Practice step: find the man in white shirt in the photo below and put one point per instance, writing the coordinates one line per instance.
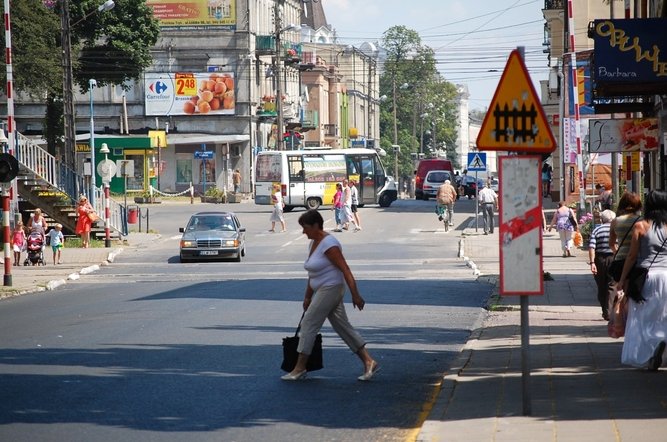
(347, 207)
(488, 200)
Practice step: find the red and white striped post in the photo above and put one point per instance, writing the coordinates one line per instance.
(6, 237)
(107, 215)
(575, 94)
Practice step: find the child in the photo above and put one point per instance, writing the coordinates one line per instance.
(57, 241)
(18, 242)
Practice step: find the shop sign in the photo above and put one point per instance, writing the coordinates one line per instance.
(623, 135)
(631, 52)
(189, 93)
(195, 14)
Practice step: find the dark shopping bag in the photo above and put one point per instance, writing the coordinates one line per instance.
(290, 354)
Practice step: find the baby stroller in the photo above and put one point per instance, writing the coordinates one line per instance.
(35, 248)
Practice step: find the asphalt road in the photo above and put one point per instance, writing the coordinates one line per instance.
(151, 349)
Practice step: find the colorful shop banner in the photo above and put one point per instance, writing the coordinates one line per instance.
(570, 138)
(623, 135)
(631, 52)
(584, 87)
(188, 93)
(195, 14)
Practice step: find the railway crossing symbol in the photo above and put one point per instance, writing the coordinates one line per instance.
(515, 120)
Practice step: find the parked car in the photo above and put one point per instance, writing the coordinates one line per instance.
(434, 179)
(423, 168)
(212, 235)
(470, 186)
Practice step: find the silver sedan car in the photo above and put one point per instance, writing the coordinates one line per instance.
(212, 235)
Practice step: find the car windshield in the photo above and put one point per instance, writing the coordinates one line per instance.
(211, 222)
(437, 177)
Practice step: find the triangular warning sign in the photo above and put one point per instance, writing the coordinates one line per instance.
(476, 163)
(515, 120)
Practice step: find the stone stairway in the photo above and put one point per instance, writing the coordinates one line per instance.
(46, 183)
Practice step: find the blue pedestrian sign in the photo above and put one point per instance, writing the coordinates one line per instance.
(476, 162)
(203, 154)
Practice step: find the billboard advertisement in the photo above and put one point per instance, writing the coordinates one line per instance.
(195, 14)
(631, 52)
(623, 135)
(189, 93)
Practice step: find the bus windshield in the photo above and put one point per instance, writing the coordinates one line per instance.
(268, 168)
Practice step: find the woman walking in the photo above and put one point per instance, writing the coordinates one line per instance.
(627, 214)
(328, 273)
(278, 206)
(84, 223)
(565, 227)
(646, 327)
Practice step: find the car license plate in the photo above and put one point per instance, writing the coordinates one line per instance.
(208, 252)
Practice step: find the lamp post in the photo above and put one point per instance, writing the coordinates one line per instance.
(92, 83)
(69, 123)
(107, 233)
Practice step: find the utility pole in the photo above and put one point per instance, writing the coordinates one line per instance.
(277, 71)
(68, 80)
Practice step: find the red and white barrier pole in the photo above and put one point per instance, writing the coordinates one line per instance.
(11, 148)
(107, 215)
(6, 237)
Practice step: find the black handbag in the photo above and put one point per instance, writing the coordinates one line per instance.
(637, 278)
(290, 354)
(573, 221)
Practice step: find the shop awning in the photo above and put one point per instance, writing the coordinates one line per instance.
(206, 138)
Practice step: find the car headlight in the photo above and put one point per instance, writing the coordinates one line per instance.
(232, 243)
(185, 243)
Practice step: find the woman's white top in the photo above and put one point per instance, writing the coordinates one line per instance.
(321, 271)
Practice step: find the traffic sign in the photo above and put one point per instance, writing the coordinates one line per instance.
(203, 154)
(106, 169)
(476, 162)
(515, 120)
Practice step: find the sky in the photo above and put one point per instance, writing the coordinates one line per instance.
(472, 39)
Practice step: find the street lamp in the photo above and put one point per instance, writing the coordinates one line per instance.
(92, 83)
(104, 149)
(68, 76)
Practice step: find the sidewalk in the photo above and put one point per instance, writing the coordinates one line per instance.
(578, 388)
(76, 262)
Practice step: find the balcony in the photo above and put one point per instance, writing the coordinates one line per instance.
(554, 4)
(265, 44)
(310, 120)
(330, 130)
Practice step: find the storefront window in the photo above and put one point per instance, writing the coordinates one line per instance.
(136, 182)
(184, 170)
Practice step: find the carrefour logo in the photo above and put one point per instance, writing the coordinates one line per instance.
(158, 87)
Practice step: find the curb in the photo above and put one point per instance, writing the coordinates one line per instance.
(55, 283)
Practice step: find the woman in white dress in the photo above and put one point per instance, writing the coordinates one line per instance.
(277, 214)
(646, 327)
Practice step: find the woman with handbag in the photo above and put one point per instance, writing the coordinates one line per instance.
(566, 224)
(84, 222)
(328, 273)
(646, 327)
(627, 214)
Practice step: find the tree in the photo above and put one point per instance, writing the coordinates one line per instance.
(411, 79)
(113, 47)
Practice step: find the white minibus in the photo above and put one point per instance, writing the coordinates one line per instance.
(308, 177)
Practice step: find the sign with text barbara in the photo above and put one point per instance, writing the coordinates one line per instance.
(631, 52)
(189, 93)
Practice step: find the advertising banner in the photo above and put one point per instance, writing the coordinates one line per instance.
(623, 135)
(195, 14)
(570, 138)
(631, 52)
(189, 93)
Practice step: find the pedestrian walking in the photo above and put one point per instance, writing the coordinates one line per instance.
(84, 222)
(627, 214)
(600, 257)
(355, 204)
(57, 241)
(236, 180)
(547, 172)
(604, 198)
(37, 220)
(338, 207)
(277, 215)
(565, 223)
(328, 273)
(347, 207)
(18, 242)
(646, 326)
(488, 200)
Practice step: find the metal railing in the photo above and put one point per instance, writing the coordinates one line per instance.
(58, 175)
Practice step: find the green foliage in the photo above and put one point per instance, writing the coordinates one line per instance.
(421, 103)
